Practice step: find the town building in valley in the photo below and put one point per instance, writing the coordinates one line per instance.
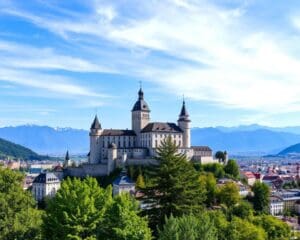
(45, 185)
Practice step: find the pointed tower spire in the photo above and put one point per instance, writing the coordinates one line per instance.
(96, 124)
(67, 158)
(183, 116)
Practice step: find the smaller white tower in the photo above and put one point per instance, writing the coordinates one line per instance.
(184, 124)
(95, 146)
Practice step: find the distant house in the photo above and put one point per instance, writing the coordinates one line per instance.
(249, 177)
(276, 205)
(123, 184)
(45, 185)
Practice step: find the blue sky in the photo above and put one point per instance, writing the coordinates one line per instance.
(236, 62)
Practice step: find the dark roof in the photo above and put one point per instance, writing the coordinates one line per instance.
(96, 124)
(161, 127)
(183, 116)
(201, 148)
(67, 156)
(140, 104)
(123, 180)
(118, 132)
(46, 178)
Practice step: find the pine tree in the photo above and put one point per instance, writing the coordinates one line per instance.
(175, 187)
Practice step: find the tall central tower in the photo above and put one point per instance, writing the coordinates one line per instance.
(140, 115)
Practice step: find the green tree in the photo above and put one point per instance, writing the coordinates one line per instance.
(210, 183)
(232, 168)
(229, 194)
(220, 221)
(189, 227)
(121, 221)
(215, 168)
(261, 198)
(175, 187)
(239, 229)
(243, 210)
(76, 210)
(140, 183)
(220, 156)
(275, 228)
(19, 219)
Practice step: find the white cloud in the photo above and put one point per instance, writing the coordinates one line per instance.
(47, 82)
(223, 59)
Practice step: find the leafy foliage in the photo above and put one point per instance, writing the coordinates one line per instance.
(122, 221)
(232, 168)
(18, 217)
(261, 197)
(189, 227)
(215, 168)
(239, 229)
(229, 194)
(275, 228)
(76, 210)
(83, 210)
(209, 181)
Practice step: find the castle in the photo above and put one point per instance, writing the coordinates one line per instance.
(110, 148)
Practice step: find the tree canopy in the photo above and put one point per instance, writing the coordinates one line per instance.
(261, 198)
(19, 218)
(232, 168)
(189, 227)
(83, 210)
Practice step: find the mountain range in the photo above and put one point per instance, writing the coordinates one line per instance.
(241, 140)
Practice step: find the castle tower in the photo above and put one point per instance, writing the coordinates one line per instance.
(95, 147)
(184, 124)
(67, 161)
(140, 114)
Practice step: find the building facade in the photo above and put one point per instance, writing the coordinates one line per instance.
(110, 148)
(45, 185)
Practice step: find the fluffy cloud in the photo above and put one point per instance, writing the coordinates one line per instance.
(217, 55)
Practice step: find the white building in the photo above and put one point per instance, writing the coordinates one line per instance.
(123, 184)
(276, 205)
(110, 148)
(45, 184)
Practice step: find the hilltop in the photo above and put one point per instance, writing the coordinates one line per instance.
(12, 150)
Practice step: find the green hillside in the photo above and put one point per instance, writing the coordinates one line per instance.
(12, 150)
(294, 149)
